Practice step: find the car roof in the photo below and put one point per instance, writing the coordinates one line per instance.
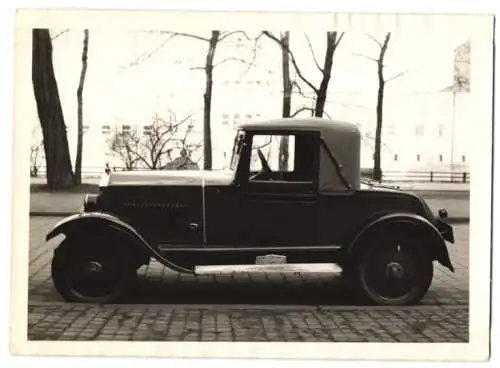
(312, 123)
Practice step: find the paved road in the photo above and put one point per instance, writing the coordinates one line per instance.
(247, 306)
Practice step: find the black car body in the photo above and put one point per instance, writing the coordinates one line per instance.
(310, 207)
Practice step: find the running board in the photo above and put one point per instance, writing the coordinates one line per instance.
(269, 268)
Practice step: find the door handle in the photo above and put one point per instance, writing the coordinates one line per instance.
(193, 226)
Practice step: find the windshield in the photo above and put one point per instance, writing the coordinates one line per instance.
(238, 145)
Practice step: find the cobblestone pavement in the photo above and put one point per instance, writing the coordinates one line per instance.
(164, 323)
(246, 306)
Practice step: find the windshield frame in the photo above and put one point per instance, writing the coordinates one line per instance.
(239, 140)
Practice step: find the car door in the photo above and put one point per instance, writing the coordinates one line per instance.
(279, 200)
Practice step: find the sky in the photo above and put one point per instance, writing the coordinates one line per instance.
(118, 90)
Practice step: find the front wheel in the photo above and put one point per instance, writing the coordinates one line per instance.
(393, 272)
(90, 274)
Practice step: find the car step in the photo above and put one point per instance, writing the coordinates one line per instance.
(269, 268)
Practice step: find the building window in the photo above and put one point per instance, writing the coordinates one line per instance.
(440, 158)
(396, 157)
(236, 116)
(85, 129)
(463, 158)
(418, 157)
(147, 129)
(248, 116)
(106, 129)
(225, 116)
(390, 129)
(126, 129)
(419, 130)
(225, 122)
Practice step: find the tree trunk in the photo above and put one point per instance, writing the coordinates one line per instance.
(55, 141)
(331, 39)
(377, 166)
(287, 98)
(207, 107)
(79, 95)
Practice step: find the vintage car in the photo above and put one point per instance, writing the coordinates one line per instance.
(301, 203)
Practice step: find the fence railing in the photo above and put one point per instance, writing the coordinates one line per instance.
(429, 176)
(422, 176)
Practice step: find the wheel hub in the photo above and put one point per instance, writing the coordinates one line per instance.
(395, 270)
(93, 268)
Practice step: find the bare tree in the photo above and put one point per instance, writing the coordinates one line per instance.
(35, 157)
(332, 42)
(55, 141)
(125, 145)
(153, 147)
(287, 96)
(215, 38)
(79, 94)
(377, 168)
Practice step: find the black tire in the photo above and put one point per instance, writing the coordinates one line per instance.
(394, 271)
(91, 272)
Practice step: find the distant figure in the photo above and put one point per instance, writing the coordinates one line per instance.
(183, 162)
(107, 170)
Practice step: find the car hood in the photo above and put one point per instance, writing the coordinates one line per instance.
(395, 191)
(168, 177)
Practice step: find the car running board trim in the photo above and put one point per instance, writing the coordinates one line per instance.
(269, 268)
(292, 249)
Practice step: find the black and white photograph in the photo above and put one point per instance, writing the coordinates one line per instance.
(287, 182)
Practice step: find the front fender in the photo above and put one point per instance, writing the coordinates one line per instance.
(408, 222)
(82, 223)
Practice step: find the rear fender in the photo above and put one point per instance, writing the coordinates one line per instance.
(84, 223)
(408, 223)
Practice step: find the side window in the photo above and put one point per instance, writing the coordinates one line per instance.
(282, 158)
(269, 146)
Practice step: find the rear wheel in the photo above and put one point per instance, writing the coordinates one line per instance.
(91, 272)
(394, 271)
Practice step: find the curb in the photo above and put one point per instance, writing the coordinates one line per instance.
(449, 220)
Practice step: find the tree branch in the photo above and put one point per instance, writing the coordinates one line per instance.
(226, 35)
(231, 58)
(59, 34)
(375, 40)
(312, 53)
(340, 39)
(191, 36)
(303, 108)
(294, 62)
(254, 56)
(147, 55)
(396, 76)
(366, 57)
